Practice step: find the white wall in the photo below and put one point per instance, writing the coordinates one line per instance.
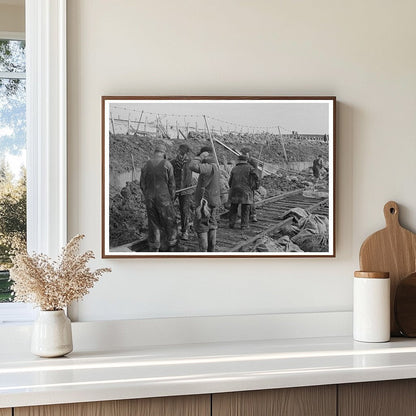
(361, 51)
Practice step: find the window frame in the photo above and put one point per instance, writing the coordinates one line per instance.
(46, 137)
(14, 312)
(12, 36)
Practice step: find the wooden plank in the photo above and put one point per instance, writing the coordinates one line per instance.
(183, 135)
(382, 398)
(161, 406)
(138, 123)
(311, 208)
(277, 197)
(274, 210)
(301, 401)
(269, 219)
(273, 228)
(5, 412)
(269, 230)
(227, 147)
(270, 215)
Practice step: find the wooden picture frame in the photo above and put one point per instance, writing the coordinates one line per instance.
(280, 148)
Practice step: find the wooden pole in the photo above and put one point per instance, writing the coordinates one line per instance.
(128, 125)
(133, 172)
(212, 142)
(227, 147)
(162, 129)
(112, 123)
(185, 189)
(282, 142)
(138, 124)
(180, 131)
(145, 125)
(261, 151)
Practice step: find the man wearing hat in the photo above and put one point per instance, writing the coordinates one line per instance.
(241, 191)
(246, 151)
(157, 182)
(207, 198)
(183, 180)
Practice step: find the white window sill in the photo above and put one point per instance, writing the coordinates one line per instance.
(16, 313)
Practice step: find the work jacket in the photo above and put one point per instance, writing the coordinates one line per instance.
(253, 163)
(183, 175)
(157, 181)
(241, 191)
(208, 185)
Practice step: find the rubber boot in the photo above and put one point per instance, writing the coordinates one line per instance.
(203, 241)
(212, 240)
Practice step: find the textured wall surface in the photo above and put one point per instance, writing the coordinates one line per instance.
(362, 52)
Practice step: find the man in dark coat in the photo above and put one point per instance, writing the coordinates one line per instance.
(157, 183)
(241, 191)
(317, 166)
(207, 198)
(183, 180)
(246, 151)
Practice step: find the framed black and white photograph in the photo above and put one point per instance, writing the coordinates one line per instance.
(218, 177)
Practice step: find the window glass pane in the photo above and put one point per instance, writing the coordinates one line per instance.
(12, 174)
(12, 56)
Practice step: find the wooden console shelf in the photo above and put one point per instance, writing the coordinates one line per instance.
(161, 406)
(382, 398)
(321, 376)
(317, 401)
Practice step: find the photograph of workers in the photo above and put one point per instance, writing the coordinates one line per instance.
(218, 177)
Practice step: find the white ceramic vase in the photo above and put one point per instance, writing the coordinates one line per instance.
(52, 334)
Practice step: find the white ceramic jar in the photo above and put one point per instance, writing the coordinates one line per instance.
(371, 309)
(52, 334)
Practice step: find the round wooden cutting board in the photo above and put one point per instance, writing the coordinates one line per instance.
(393, 250)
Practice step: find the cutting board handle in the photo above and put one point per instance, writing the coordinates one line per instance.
(391, 214)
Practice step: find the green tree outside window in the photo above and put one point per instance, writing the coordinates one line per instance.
(12, 151)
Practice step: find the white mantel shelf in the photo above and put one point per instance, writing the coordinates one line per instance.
(151, 371)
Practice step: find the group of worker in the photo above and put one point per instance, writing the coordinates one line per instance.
(162, 181)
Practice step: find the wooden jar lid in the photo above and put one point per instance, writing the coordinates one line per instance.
(372, 275)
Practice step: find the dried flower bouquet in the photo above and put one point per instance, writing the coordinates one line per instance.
(53, 285)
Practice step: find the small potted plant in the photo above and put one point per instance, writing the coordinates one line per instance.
(52, 286)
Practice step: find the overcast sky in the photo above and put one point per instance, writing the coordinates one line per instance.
(312, 118)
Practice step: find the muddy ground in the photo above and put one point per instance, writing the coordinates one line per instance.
(122, 148)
